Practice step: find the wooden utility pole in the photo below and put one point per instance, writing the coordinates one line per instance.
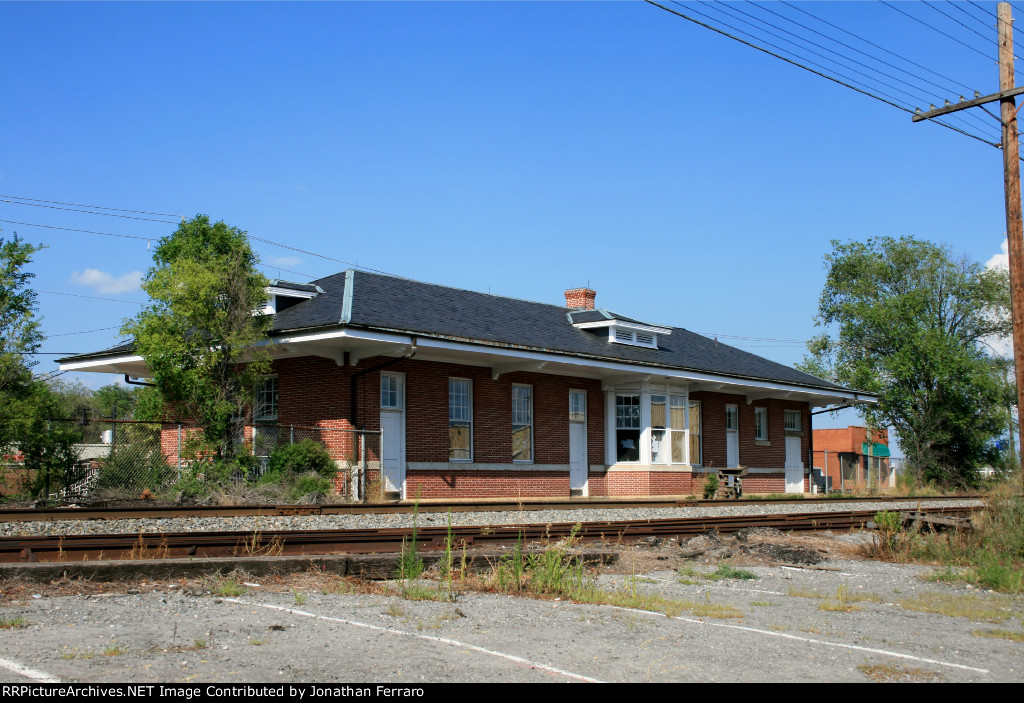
(1011, 184)
(1011, 187)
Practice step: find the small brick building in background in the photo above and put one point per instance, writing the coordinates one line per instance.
(477, 395)
(853, 458)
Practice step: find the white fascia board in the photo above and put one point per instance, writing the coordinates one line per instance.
(289, 293)
(610, 366)
(93, 363)
(625, 325)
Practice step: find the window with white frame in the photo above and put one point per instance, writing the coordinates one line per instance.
(460, 419)
(659, 431)
(577, 406)
(627, 427)
(761, 423)
(390, 392)
(522, 423)
(677, 418)
(264, 417)
(792, 418)
(696, 440)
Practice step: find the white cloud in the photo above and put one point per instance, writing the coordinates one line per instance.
(999, 260)
(1000, 346)
(103, 282)
(284, 261)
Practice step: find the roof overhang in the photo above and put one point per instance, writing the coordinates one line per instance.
(353, 345)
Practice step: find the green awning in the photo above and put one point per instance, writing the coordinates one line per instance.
(876, 449)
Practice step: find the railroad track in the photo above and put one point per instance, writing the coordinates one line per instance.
(77, 548)
(147, 512)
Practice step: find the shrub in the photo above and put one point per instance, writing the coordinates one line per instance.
(302, 457)
(711, 485)
(310, 483)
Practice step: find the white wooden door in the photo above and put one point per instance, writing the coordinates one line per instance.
(578, 443)
(732, 437)
(392, 426)
(794, 466)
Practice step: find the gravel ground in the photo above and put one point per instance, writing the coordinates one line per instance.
(384, 520)
(789, 624)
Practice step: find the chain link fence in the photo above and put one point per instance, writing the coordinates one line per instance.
(135, 459)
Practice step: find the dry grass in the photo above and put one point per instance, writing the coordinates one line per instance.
(141, 551)
(956, 606)
(897, 672)
(1012, 635)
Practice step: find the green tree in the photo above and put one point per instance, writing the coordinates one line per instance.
(199, 335)
(911, 324)
(19, 330)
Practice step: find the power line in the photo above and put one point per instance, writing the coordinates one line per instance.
(150, 239)
(101, 329)
(86, 231)
(98, 207)
(91, 297)
(969, 29)
(973, 17)
(86, 212)
(831, 51)
(882, 48)
(810, 70)
(869, 56)
(936, 29)
(958, 118)
(983, 9)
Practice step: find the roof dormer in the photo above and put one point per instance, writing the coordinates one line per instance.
(619, 329)
(281, 295)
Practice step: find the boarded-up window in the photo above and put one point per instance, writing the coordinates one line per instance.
(695, 437)
(460, 420)
(522, 423)
(677, 416)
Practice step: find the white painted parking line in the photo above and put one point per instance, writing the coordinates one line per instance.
(40, 676)
(810, 640)
(442, 640)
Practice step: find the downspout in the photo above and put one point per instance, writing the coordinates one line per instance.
(354, 405)
(354, 380)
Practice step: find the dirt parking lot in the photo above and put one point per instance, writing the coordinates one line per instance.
(788, 608)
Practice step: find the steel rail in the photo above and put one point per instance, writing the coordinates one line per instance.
(299, 542)
(147, 512)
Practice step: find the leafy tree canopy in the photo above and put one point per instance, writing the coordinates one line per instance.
(198, 332)
(911, 324)
(19, 329)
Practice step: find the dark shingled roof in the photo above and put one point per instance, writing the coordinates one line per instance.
(397, 304)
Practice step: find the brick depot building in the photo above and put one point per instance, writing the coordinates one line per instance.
(478, 395)
(853, 458)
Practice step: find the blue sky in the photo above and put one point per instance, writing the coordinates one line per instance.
(517, 147)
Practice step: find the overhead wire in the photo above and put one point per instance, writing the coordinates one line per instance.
(871, 57)
(91, 297)
(904, 92)
(808, 69)
(98, 207)
(936, 29)
(958, 8)
(86, 212)
(877, 46)
(969, 29)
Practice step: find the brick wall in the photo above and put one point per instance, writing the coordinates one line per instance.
(753, 453)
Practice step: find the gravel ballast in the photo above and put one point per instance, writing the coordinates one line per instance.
(400, 520)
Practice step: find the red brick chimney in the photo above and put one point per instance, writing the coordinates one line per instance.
(580, 298)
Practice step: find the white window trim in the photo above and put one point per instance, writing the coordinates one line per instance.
(762, 412)
(533, 441)
(645, 390)
(469, 383)
(401, 390)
